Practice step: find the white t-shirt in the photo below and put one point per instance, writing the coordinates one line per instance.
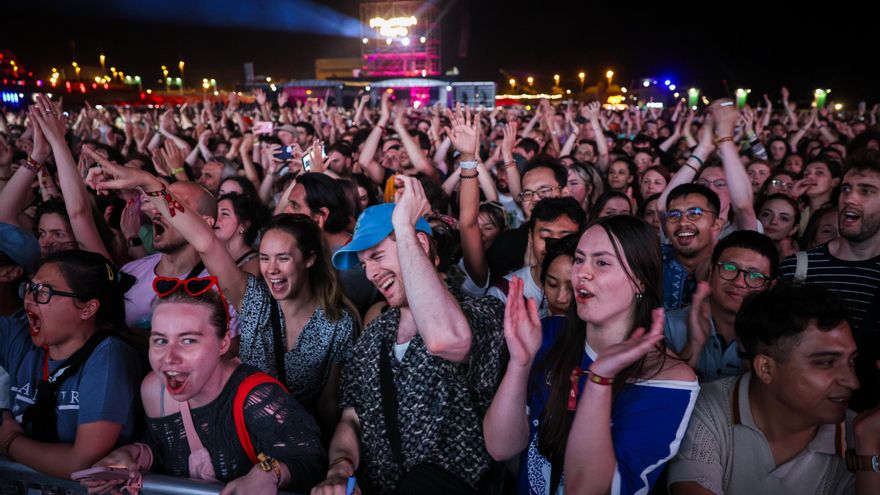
(515, 216)
(531, 289)
(140, 299)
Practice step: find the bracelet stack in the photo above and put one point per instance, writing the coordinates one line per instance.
(32, 165)
(173, 204)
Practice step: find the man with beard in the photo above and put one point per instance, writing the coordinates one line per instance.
(174, 257)
(743, 263)
(850, 264)
(692, 225)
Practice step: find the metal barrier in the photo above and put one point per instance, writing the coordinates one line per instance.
(18, 479)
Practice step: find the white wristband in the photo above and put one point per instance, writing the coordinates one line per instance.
(471, 165)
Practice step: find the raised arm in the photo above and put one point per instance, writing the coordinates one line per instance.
(416, 155)
(53, 126)
(506, 424)
(466, 138)
(602, 156)
(344, 453)
(693, 164)
(14, 196)
(367, 158)
(195, 229)
(725, 115)
(438, 316)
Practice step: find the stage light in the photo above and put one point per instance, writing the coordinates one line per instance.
(365, 40)
(387, 41)
(667, 82)
(404, 41)
(268, 79)
(623, 89)
(368, 89)
(530, 80)
(568, 91)
(556, 78)
(512, 82)
(675, 95)
(423, 39)
(646, 83)
(672, 87)
(395, 27)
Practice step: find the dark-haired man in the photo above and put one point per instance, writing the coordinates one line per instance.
(541, 179)
(692, 226)
(552, 218)
(850, 264)
(703, 333)
(783, 427)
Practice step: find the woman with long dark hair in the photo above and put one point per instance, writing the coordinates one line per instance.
(637, 396)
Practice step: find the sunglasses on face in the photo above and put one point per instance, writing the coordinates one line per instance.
(195, 287)
(692, 214)
(42, 293)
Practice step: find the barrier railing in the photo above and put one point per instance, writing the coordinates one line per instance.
(19, 479)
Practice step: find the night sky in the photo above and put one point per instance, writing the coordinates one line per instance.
(748, 45)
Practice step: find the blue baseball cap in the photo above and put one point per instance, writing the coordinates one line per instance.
(372, 226)
(20, 246)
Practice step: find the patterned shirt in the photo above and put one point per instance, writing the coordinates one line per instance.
(678, 283)
(440, 403)
(321, 344)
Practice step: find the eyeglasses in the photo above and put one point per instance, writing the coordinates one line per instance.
(165, 286)
(542, 193)
(42, 293)
(729, 271)
(780, 184)
(716, 182)
(692, 214)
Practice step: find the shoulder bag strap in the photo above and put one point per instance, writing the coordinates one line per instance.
(389, 404)
(241, 394)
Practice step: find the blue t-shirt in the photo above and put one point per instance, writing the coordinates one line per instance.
(648, 421)
(104, 389)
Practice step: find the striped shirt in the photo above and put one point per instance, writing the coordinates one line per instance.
(857, 282)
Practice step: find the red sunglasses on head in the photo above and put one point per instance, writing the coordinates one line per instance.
(165, 286)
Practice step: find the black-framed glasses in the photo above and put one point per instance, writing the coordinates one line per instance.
(542, 193)
(42, 293)
(692, 214)
(716, 182)
(729, 271)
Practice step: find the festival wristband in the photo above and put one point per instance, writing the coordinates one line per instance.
(173, 204)
(468, 165)
(32, 165)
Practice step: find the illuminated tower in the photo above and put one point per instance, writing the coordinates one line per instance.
(399, 39)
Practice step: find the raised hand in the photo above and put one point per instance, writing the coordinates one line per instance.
(282, 99)
(591, 110)
(119, 177)
(51, 121)
(174, 156)
(725, 116)
(522, 326)
(41, 150)
(384, 110)
(785, 94)
(260, 96)
(508, 141)
(617, 357)
(410, 202)
(698, 323)
(465, 134)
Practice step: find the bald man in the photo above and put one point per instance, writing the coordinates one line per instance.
(174, 257)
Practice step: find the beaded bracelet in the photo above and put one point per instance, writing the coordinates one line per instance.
(469, 176)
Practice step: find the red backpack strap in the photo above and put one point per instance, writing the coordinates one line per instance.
(241, 394)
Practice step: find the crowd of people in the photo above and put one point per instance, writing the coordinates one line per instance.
(280, 294)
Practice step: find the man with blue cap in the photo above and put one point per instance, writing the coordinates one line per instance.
(423, 373)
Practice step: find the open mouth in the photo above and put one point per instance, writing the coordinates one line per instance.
(277, 285)
(583, 295)
(158, 230)
(175, 381)
(850, 216)
(34, 323)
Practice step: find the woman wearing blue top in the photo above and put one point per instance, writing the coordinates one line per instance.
(66, 335)
(637, 396)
